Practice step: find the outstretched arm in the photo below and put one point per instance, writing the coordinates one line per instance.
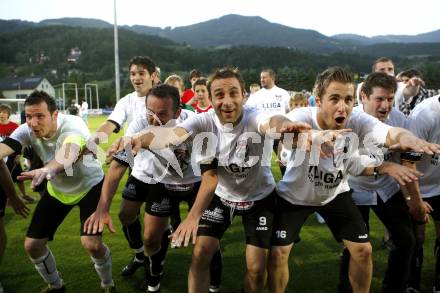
(403, 140)
(188, 228)
(101, 217)
(401, 174)
(412, 87)
(65, 157)
(417, 207)
(154, 137)
(8, 188)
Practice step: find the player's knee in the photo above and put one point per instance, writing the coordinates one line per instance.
(33, 246)
(92, 244)
(279, 256)
(126, 217)
(361, 252)
(151, 240)
(201, 253)
(256, 271)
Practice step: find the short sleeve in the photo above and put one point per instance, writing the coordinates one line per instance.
(194, 124)
(367, 125)
(19, 138)
(119, 115)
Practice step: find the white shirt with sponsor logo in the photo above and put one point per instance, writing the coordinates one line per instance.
(272, 101)
(317, 182)
(424, 121)
(127, 109)
(367, 188)
(244, 166)
(84, 174)
(168, 166)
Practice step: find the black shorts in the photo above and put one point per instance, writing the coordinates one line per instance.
(2, 202)
(257, 218)
(341, 215)
(50, 213)
(161, 200)
(434, 202)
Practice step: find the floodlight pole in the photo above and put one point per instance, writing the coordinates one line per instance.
(117, 80)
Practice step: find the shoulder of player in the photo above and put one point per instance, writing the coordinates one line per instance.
(302, 112)
(396, 118)
(68, 123)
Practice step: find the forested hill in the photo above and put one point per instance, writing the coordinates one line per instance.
(45, 50)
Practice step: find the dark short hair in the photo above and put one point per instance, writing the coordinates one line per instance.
(144, 61)
(165, 91)
(270, 71)
(38, 97)
(380, 60)
(6, 108)
(200, 81)
(226, 72)
(378, 79)
(410, 73)
(330, 75)
(194, 73)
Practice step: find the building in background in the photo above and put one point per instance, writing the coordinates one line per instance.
(21, 87)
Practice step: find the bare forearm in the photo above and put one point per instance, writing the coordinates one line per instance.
(65, 157)
(395, 134)
(107, 128)
(161, 137)
(110, 184)
(411, 191)
(205, 194)
(6, 181)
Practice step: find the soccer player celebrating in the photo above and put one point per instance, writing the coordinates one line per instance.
(142, 74)
(424, 121)
(73, 181)
(382, 193)
(160, 178)
(320, 184)
(239, 181)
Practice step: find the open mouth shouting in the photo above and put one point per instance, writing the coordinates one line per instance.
(382, 114)
(340, 121)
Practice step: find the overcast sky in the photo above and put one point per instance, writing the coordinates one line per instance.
(363, 17)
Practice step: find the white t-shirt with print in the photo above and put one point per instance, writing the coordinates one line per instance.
(244, 167)
(424, 121)
(367, 188)
(318, 181)
(272, 101)
(152, 166)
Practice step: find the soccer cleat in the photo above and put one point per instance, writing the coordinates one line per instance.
(132, 267)
(51, 289)
(109, 289)
(412, 290)
(152, 283)
(214, 289)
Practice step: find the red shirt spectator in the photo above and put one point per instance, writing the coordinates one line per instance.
(7, 129)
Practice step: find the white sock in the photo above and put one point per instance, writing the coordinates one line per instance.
(103, 267)
(47, 268)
